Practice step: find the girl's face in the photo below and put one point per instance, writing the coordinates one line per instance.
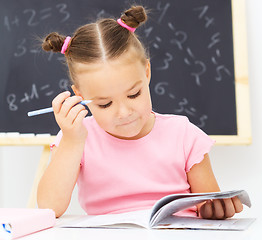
(120, 92)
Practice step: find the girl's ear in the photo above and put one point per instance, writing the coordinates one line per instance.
(148, 71)
(76, 91)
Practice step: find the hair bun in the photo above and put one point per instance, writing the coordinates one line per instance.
(134, 16)
(53, 42)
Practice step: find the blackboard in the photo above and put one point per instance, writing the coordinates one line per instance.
(191, 50)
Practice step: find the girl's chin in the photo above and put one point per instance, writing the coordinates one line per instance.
(126, 135)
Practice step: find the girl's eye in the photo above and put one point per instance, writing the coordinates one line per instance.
(130, 96)
(106, 105)
(135, 95)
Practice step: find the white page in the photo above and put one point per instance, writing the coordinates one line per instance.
(139, 218)
(199, 223)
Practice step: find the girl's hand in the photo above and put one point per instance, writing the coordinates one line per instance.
(69, 116)
(221, 208)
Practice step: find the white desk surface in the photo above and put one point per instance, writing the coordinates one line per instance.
(254, 232)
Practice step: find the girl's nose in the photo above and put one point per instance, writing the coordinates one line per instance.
(123, 110)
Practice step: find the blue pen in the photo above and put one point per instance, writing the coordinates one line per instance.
(50, 109)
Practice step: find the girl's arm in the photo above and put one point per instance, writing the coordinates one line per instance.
(56, 185)
(201, 179)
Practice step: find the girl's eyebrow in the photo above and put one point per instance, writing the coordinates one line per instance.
(105, 98)
(100, 98)
(137, 83)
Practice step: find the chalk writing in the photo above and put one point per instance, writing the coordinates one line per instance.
(31, 96)
(21, 49)
(160, 88)
(167, 60)
(202, 70)
(163, 11)
(219, 70)
(203, 10)
(34, 17)
(62, 8)
(31, 19)
(214, 40)
(35, 93)
(181, 38)
(179, 43)
(64, 84)
(9, 23)
(11, 98)
(202, 121)
(186, 109)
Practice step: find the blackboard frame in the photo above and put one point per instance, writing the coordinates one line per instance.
(241, 89)
(243, 136)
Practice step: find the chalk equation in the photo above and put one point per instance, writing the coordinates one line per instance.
(179, 37)
(35, 92)
(33, 18)
(181, 106)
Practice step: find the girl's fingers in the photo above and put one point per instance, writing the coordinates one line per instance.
(74, 112)
(206, 210)
(58, 101)
(229, 208)
(80, 116)
(69, 104)
(219, 209)
(237, 204)
(69, 115)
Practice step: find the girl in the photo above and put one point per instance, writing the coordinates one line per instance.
(125, 157)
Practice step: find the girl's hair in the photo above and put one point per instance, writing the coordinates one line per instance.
(101, 41)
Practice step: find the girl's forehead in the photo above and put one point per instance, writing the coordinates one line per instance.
(109, 70)
(110, 77)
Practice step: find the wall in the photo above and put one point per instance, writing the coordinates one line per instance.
(236, 167)
(17, 170)
(18, 166)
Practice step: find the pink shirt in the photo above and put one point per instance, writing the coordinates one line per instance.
(126, 175)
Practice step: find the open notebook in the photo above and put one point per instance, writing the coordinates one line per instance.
(162, 215)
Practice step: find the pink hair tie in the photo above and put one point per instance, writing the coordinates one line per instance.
(120, 22)
(65, 45)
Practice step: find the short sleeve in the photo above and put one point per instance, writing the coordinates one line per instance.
(57, 140)
(196, 144)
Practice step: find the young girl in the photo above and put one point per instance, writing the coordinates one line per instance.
(125, 156)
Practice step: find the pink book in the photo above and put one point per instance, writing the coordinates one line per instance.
(18, 222)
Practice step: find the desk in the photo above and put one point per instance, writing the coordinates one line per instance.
(254, 232)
